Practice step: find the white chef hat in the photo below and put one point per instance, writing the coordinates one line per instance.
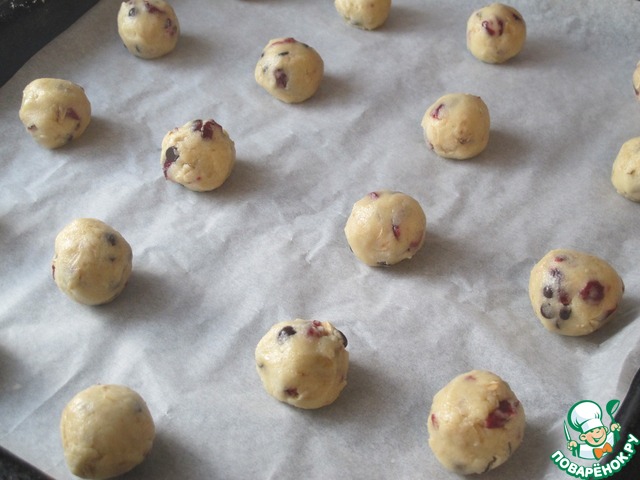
(585, 416)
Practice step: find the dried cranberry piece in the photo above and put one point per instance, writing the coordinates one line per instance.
(416, 243)
(284, 40)
(374, 195)
(490, 29)
(71, 113)
(170, 155)
(170, 28)
(291, 392)
(205, 128)
(281, 78)
(434, 421)
(593, 292)
(152, 8)
(285, 333)
(53, 271)
(315, 329)
(501, 415)
(436, 112)
(396, 230)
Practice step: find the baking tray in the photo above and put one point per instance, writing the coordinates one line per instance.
(28, 25)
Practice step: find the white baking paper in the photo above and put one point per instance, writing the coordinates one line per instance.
(213, 271)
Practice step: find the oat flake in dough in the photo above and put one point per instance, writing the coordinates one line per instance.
(200, 155)
(148, 28)
(476, 422)
(289, 70)
(385, 227)
(54, 111)
(106, 430)
(457, 126)
(574, 293)
(496, 33)
(92, 262)
(625, 173)
(303, 362)
(365, 14)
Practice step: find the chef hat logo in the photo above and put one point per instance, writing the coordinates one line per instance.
(585, 416)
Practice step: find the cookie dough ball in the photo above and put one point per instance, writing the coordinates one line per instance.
(476, 422)
(625, 174)
(54, 111)
(303, 362)
(92, 261)
(106, 430)
(365, 14)
(199, 155)
(457, 126)
(496, 33)
(289, 70)
(148, 28)
(574, 293)
(636, 81)
(385, 228)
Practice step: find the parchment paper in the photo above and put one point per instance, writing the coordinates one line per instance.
(213, 271)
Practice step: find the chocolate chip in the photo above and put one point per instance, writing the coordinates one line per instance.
(547, 292)
(110, 238)
(285, 333)
(133, 12)
(344, 338)
(547, 311)
(170, 156)
(565, 313)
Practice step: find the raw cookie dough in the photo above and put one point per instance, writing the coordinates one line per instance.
(106, 430)
(476, 422)
(625, 174)
(92, 261)
(574, 293)
(365, 14)
(148, 28)
(199, 155)
(303, 362)
(496, 33)
(457, 126)
(385, 228)
(54, 111)
(636, 81)
(289, 70)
